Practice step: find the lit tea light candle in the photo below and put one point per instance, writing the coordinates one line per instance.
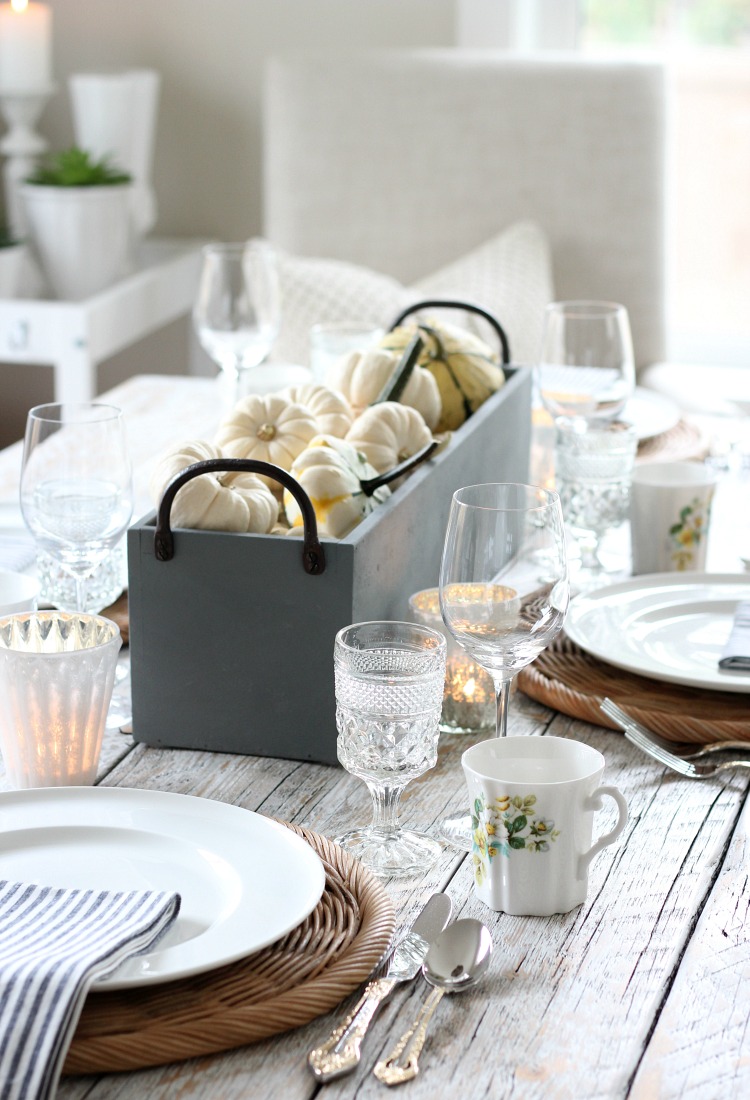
(469, 696)
(25, 46)
(57, 672)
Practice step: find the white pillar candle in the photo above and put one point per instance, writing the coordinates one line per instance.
(25, 46)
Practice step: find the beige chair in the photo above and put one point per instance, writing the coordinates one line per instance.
(404, 160)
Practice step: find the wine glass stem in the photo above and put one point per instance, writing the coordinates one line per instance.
(81, 590)
(502, 699)
(385, 800)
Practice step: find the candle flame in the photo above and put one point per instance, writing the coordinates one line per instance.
(470, 687)
(19, 5)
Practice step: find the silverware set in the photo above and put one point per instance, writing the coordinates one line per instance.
(693, 761)
(451, 958)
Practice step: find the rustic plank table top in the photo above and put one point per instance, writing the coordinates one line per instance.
(642, 992)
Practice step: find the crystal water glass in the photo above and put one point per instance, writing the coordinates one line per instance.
(594, 466)
(76, 487)
(389, 693)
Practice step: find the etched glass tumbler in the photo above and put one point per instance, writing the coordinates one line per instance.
(389, 694)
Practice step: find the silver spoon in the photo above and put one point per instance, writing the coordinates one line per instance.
(456, 960)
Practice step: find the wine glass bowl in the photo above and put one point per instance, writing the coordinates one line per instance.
(504, 586)
(237, 311)
(586, 367)
(389, 691)
(76, 485)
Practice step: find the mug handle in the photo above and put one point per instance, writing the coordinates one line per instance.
(594, 802)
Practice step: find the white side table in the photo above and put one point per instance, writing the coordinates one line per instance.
(74, 337)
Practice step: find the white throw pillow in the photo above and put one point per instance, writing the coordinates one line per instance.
(509, 275)
(321, 291)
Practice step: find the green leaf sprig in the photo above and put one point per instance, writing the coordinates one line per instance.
(76, 167)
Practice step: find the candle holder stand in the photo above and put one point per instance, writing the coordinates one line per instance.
(21, 146)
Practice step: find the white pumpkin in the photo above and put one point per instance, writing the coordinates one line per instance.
(361, 376)
(331, 471)
(329, 407)
(388, 434)
(213, 502)
(268, 428)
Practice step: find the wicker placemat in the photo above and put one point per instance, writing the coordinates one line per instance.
(570, 680)
(305, 974)
(681, 442)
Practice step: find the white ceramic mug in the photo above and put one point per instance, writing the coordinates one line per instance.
(532, 803)
(670, 511)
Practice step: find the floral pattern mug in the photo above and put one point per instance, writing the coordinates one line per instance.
(532, 803)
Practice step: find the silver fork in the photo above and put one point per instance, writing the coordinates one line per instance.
(686, 750)
(691, 768)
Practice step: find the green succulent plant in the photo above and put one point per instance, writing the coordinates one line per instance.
(75, 167)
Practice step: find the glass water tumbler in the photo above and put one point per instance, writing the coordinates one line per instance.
(57, 672)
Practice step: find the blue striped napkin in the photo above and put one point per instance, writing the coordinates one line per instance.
(53, 944)
(736, 653)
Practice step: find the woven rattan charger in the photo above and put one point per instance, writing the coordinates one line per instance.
(303, 975)
(570, 680)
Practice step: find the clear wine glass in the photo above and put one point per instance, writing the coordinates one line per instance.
(493, 599)
(586, 369)
(389, 694)
(76, 485)
(237, 311)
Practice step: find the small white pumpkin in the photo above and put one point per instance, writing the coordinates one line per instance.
(388, 434)
(268, 428)
(329, 407)
(331, 473)
(213, 502)
(361, 376)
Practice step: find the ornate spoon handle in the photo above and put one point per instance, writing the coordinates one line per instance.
(397, 1069)
(340, 1053)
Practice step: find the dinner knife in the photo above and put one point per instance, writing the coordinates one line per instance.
(340, 1053)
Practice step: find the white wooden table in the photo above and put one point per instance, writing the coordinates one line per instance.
(74, 337)
(642, 992)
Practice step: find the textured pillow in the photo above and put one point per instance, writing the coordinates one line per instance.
(509, 275)
(320, 291)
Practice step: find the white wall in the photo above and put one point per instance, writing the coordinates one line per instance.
(210, 54)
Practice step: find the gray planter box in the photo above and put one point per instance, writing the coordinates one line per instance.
(231, 642)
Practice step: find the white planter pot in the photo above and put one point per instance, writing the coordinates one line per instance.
(83, 236)
(11, 266)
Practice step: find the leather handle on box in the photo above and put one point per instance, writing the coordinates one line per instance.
(313, 557)
(469, 307)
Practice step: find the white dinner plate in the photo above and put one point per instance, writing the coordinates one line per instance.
(650, 413)
(666, 626)
(244, 881)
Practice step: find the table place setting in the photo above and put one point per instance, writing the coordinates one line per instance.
(277, 901)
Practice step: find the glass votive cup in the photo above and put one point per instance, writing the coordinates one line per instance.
(57, 671)
(469, 697)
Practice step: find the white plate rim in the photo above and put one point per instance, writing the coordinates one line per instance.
(588, 603)
(658, 413)
(231, 936)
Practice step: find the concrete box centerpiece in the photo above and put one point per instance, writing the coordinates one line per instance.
(231, 641)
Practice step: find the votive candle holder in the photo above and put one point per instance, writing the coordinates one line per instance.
(469, 695)
(57, 672)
